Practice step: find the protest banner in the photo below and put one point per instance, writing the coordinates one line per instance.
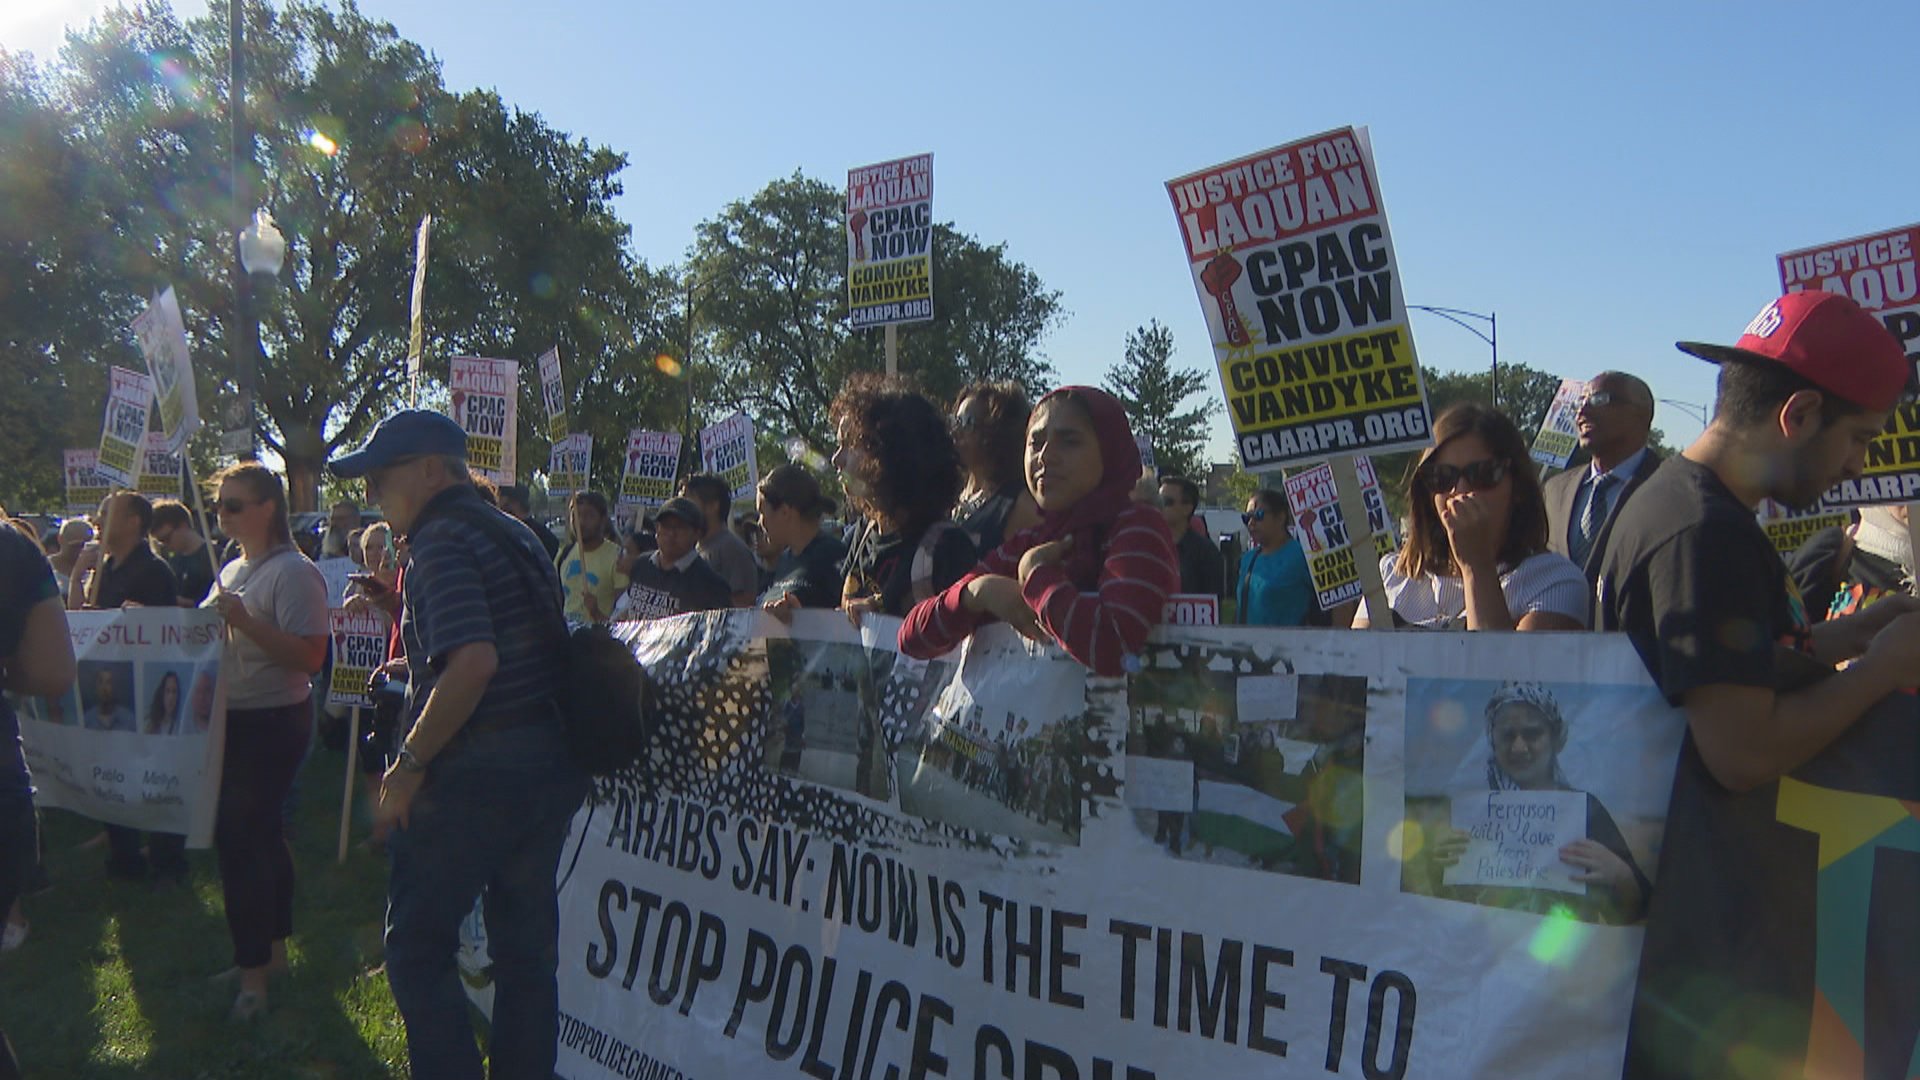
(890, 242)
(1789, 528)
(842, 861)
(159, 469)
(485, 402)
(1322, 531)
(1877, 271)
(1294, 266)
(727, 451)
(653, 463)
(136, 740)
(1559, 433)
(86, 488)
(162, 335)
(570, 465)
(359, 647)
(554, 394)
(123, 430)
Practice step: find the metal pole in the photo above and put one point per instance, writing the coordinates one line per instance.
(241, 345)
(346, 792)
(1493, 322)
(687, 371)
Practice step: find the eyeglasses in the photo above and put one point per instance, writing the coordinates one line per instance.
(1480, 475)
(234, 506)
(1257, 515)
(964, 423)
(1599, 397)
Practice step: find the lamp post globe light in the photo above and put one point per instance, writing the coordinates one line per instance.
(263, 251)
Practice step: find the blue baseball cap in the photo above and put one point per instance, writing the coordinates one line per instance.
(406, 434)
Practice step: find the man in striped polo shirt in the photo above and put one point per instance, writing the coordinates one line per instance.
(483, 788)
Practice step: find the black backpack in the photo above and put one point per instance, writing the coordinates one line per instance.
(604, 692)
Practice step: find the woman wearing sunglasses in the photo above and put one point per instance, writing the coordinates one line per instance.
(1275, 588)
(275, 605)
(1476, 557)
(989, 428)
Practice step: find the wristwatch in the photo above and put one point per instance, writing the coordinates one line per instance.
(408, 762)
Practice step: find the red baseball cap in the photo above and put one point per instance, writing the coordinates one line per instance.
(1826, 339)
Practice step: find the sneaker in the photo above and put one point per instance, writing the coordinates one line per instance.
(13, 936)
(247, 1007)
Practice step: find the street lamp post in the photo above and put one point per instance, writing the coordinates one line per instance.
(1491, 335)
(262, 253)
(239, 437)
(1698, 412)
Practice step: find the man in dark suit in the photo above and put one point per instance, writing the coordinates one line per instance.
(1614, 421)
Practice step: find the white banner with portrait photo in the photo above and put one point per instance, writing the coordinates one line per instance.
(842, 861)
(136, 740)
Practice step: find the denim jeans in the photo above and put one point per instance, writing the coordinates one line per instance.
(491, 819)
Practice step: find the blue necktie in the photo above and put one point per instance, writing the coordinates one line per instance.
(1592, 516)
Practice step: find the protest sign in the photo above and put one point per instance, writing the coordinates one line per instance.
(1322, 531)
(335, 572)
(890, 242)
(653, 463)
(123, 431)
(1147, 464)
(1515, 837)
(485, 402)
(1559, 433)
(1294, 266)
(1192, 609)
(159, 469)
(844, 861)
(554, 394)
(1789, 528)
(136, 740)
(1878, 272)
(570, 465)
(727, 451)
(86, 488)
(359, 647)
(163, 342)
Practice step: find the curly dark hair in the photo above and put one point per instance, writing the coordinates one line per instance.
(908, 460)
(1426, 550)
(1005, 432)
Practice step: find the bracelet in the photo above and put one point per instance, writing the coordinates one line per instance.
(408, 762)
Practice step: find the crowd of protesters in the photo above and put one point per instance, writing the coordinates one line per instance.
(993, 510)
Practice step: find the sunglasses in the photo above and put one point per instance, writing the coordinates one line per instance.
(1480, 475)
(234, 506)
(1600, 397)
(1257, 515)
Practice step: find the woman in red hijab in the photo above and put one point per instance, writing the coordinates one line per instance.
(1094, 574)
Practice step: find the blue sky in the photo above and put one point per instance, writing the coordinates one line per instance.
(1607, 178)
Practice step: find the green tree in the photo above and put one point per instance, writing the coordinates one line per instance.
(357, 138)
(768, 277)
(1155, 394)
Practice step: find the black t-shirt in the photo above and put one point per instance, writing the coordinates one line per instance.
(140, 578)
(1733, 926)
(25, 581)
(192, 573)
(815, 574)
(656, 593)
(902, 569)
(1201, 570)
(547, 539)
(1691, 578)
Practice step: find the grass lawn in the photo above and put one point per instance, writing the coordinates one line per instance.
(113, 980)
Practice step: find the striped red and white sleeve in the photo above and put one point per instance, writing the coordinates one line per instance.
(1102, 628)
(942, 621)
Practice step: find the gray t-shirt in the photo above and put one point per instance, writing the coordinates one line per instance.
(730, 556)
(286, 591)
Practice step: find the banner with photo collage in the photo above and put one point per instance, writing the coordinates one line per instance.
(137, 739)
(1265, 851)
